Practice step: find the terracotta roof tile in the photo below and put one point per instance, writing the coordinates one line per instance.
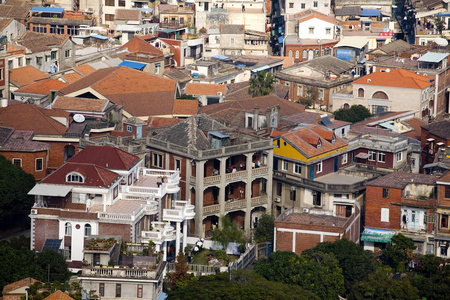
(155, 122)
(139, 45)
(25, 76)
(185, 107)
(80, 104)
(395, 78)
(310, 14)
(43, 87)
(20, 140)
(58, 295)
(85, 69)
(26, 282)
(146, 104)
(71, 77)
(205, 89)
(415, 124)
(38, 42)
(305, 218)
(128, 14)
(32, 118)
(399, 180)
(107, 157)
(4, 22)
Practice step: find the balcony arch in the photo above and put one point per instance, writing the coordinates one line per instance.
(380, 95)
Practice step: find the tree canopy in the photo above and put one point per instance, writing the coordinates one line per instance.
(229, 233)
(264, 228)
(262, 84)
(398, 252)
(355, 113)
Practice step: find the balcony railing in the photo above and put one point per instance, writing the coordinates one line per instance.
(234, 205)
(210, 180)
(122, 272)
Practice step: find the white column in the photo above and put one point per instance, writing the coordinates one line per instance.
(199, 190)
(248, 194)
(185, 234)
(177, 245)
(269, 184)
(165, 250)
(223, 162)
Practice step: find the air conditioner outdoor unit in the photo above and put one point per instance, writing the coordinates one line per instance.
(219, 93)
(306, 210)
(277, 199)
(34, 211)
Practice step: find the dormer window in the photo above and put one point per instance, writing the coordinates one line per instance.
(319, 144)
(74, 177)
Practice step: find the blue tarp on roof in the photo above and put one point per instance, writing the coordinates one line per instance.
(98, 36)
(261, 69)
(370, 12)
(132, 64)
(55, 10)
(221, 57)
(167, 30)
(240, 66)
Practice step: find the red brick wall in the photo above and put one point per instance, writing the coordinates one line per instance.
(115, 229)
(3, 67)
(56, 153)
(389, 159)
(29, 162)
(44, 229)
(300, 48)
(374, 203)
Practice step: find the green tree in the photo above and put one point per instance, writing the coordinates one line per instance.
(53, 265)
(380, 285)
(14, 187)
(355, 113)
(262, 84)
(180, 275)
(277, 266)
(398, 252)
(356, 263)
(187, 96)
(242, 284)
(434, 287)
(264, 228)
(230, 233)
(312, 94)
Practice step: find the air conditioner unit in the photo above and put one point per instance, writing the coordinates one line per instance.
(34, 211)
(219, 93)
(306, 210)
(278, 199)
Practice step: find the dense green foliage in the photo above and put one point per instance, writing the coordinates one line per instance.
(243, 285)
(39, 291)
(264, 228)
(398, 252)
(14, 186)
(187, 96)
(229, 233)
(311, 96)
(355, 113)
(262, 84)
(17, 261)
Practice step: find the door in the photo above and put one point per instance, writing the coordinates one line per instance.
(139, 132)
(310, 54)
(206, 6)
(336, 162)
(311, 172)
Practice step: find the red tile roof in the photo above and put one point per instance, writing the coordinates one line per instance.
(139, 45)
(33, 118)
(185, 107)
(146, 104)
(311, 14)
(155, 122)
(399, 180)
(26, 282)
(205, 89)
(107, 157)
(94, 175)
(71, 77)
(395, 78)
(21, 140)
(25, 76)
(415, 124)
(80, 104)
(43, 87)
(85, 69)
(58, 295)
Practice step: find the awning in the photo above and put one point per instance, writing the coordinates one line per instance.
(132, 64)
(98, 36)
(442, 238)
(261, 69)
(144, 10)
(52, 10)
(166, 30)
(377, 235)
(433, 57)
(389, 125)
(362, 155)
(50, 190)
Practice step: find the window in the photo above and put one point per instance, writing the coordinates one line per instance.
(317, 199)
(381, 157)
(327, 51)
(319, 144)
(67, 53)
(321, 94)
(53, 55)
(122, 3)
(297, 168)
(361, 93)
(109, 17)
(299, 90)
(297, 54)
(20, 61)
(319, 167)
(67, 253)
(444, 221)
(157, 68)
(17, 162)
(290, 53)
(305, 54)
(291, 5)
(109, 2)
(385, 215)
(317, 53)
(447, 192)
(292, 193)
(39, 165)
(181, 20)
(129, 128)
(232, 41)
(279, 188)
(68, 229)
(303, 5)
(311, 30)
(328, 31)
(87, 230)
(118, 290)
(372, 155)
(139, 290)
(399, 156)
(316, 4)
(28, 61)
(178, 164)
(39, 60)
(385, 193)
(101, 289)
(344, 158)
(74, 177)
(285, 165)
(157, 160)
(115, 192)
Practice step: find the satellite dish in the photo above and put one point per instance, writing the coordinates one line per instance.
(441, 42)
(78, 118)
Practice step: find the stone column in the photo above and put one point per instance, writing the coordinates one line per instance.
(248, 194)
(199, 190)
(184, 234)
(177, 240)
(223, 173)
(269, 185)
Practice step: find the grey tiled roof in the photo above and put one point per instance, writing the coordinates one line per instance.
(399, 180)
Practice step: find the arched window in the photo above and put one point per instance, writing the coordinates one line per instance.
(317, 53)
(68, 229)
(297, 54)
(290, 53)
(323, 52)
(346, 106)
(361, 93)
(305, 54)
(74, 177)
(87, 230)
(380, 95)
(328, 51)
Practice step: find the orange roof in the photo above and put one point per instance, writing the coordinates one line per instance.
(306, 141)
(154, 122)
(185, 107)
(205, 89)
(58, 295)
(26, 282)
(25, 76)
(85, 69)
(287, 60)
(80, 104)
(139, 45)
(311, 14)
(43, 87)
(395, 78)
(71, 77)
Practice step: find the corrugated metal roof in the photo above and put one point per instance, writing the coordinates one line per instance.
(433, 57)
(55, 10)
(132, 64)
(370, 12)
(98, 36)
(221, 57)
(354, 42)
(261, 69)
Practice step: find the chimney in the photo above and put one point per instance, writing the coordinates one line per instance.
(3, 102)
